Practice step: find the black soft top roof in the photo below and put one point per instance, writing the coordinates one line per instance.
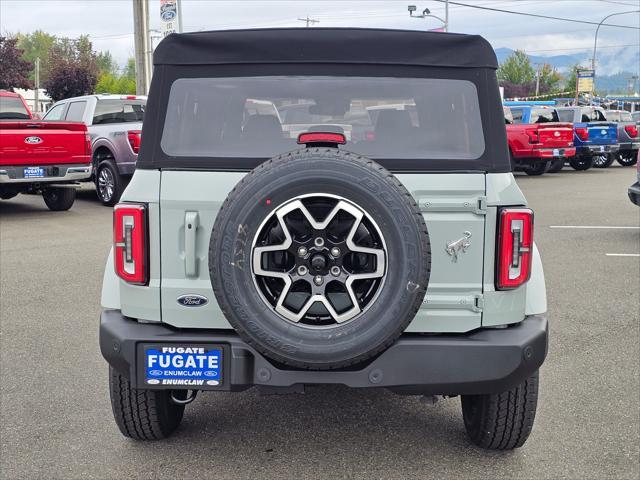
(326, 45)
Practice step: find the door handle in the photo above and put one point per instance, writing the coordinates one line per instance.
(191, 223)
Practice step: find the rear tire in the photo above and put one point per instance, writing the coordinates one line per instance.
(603, 161)
(556, 166)
(537, 168)
(627, 158)
(502, 421)
(109, 183)
(59, 198)
(581, 163)
(142, 414)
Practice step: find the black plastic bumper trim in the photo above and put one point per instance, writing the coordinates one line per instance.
(634, 193)
(483, 361)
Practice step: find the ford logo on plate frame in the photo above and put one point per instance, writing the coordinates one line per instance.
(33, 140)
(192, 300)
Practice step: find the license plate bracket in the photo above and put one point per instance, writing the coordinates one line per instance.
(34, 172)
(180, 366)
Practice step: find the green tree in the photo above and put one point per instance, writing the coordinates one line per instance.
(106, 83)
(106, 63)
(36, 45)
(517, 69)
(109, 83)
(549, 79)
(130, 69)
(569, 80)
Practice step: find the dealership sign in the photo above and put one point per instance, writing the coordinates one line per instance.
(169, 16)
(585, 80)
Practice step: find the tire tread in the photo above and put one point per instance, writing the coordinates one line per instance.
(137, 412)
(503, 421)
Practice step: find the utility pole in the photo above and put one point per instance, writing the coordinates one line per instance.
(36, 95)
(446, 16)
(537, 80)
(179, 7)
(142, 48)
(308, 20)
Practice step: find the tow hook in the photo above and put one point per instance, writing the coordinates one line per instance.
(180, 401)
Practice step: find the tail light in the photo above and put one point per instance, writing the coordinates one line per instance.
(582, 133)
(533, 135)
(314, 138)
(515, 244)
(87, 144)
(134, 136)
(130, 243)
(631, 130)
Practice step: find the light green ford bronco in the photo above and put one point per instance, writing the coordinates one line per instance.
(324, 206)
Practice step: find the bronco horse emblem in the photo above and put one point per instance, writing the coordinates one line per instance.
(460, 245)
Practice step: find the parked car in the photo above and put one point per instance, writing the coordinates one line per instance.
(115, 127)
(628, 137)
(36, 157)
(636, 116)
(295, 262)
(538, 141)
(595, 138)
(634, 190)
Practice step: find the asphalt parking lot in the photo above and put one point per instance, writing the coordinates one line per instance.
(56, 418)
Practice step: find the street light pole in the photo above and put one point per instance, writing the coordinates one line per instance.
(427, 13)
(595, 42)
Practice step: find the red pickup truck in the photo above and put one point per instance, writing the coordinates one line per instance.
(41, 157)
(538, 141)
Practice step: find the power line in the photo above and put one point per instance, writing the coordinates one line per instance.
(308, 20)
(536, 15)
(578, 49)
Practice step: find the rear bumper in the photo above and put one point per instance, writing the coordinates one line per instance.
(484, 361)
(634, 193)
(624, 146)
(595, 149)
(551, 153)
(55, 173)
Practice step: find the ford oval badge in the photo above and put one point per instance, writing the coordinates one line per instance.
(33, 140)
(192, 300)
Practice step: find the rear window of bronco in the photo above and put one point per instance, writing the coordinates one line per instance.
(381, 117)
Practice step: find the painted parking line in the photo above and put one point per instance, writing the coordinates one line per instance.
(622, 254)
(595, 227)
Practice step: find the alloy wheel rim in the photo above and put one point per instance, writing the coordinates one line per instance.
(319, 260)
(105, 184)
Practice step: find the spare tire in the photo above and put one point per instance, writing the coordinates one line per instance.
(319, 258)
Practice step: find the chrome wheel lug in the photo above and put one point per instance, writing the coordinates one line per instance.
(302, 251)
(319, 242)
(302, 270)
(335, 252)
(335, 271)
(318, 280)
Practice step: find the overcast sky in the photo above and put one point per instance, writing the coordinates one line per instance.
(110, 25)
